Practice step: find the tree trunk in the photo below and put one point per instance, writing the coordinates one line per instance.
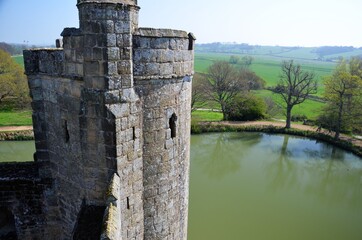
(289, 117)
(339, 121)
(223, 111)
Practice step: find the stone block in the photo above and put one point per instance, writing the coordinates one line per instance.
(88, 54)
(112, 97)
(112, 68)
(142, 42)
(127, 81)
(113, 54)
(114, 82)
(166, 56)
(152, 69)
(79, 69)
(127, 41)
(99, 53)
(90, 40)
(79, 55)
(178, 56)
(187, 56)
(160, 43)
(95, 82)
(166, 69)
(111, 40)
(123, 15)
(126, 53)
(77, 42)
(92, 68)
(122, 27)
(124, 67)
(119, 110)
(108, 26)
(101, 40)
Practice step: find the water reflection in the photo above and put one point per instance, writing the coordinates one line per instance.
(215, 154)
(316, 169)
(282, 170)
(254, 186)
(11, 151)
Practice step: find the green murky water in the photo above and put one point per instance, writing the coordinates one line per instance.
(11, 151)
(255, 186)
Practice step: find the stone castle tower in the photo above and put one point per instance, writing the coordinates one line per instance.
(111, 113)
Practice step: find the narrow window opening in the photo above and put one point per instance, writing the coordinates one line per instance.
(191, 41)
(128, 203)
(66, 131)
(172, 123)
(134, 133)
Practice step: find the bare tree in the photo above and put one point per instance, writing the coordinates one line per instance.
(294, 86)
(198, 95)
(224, 83)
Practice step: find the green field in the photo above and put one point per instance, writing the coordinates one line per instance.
(15, 118)
(268, 67)
(19, 59)
(209, 116)
(309, 108)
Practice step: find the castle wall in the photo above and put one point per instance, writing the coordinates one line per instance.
(163, 68)
(162, 53)
(113, 106)
(165, 157)
(127, 110)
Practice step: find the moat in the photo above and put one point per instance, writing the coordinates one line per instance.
(260, 186)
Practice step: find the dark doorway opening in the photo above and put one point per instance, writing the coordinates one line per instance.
(7, 225)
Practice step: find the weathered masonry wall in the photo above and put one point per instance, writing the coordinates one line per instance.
(163, 66)
(111, 114)
(70, 127)
(23, 194)
(166, 119)
(162, 53)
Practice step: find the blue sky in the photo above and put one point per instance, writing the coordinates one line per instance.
(263, 22)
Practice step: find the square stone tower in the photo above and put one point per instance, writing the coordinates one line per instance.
(111, 113)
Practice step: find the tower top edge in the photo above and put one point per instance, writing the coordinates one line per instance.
(124, 2)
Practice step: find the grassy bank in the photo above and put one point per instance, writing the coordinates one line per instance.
(208, 127)
(17, 135)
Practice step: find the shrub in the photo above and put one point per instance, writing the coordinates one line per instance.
(299, 118)
(245, 108)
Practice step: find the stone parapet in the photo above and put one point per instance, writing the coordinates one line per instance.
(44, 61)
(162, 54)
(160, 33)
(125, 2)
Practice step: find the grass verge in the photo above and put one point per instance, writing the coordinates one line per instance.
(15, 118)
(206, 116)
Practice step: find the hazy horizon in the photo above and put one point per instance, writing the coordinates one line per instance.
(292, 23)
(226, 43)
